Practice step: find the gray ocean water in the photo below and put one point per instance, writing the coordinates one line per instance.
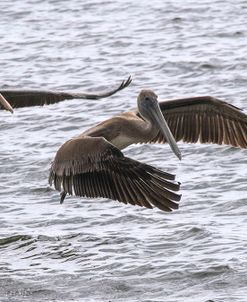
(101, 250)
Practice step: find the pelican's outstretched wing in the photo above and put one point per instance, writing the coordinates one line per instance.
(92, 167)
(204, 119)
(26, 98)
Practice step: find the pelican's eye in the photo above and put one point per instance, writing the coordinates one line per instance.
(148, 99)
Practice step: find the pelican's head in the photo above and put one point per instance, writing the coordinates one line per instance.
(146, 99)
(148, 107)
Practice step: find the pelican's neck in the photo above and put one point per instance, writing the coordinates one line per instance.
(148, 128)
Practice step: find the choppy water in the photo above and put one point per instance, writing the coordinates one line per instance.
(100, 250)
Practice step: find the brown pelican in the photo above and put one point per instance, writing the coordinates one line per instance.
(92, 164)
(25, 98)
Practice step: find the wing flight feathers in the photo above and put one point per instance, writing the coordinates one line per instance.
(92, 167)
(204, 119)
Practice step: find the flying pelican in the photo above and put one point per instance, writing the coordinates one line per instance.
(92, 164)
(24, 98)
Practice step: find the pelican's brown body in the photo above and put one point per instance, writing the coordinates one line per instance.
(123, 130)
(92, 164)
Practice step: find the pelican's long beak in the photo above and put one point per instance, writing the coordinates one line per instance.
(164, 128)
(5, 104)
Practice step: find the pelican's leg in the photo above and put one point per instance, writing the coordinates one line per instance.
(62, 196)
